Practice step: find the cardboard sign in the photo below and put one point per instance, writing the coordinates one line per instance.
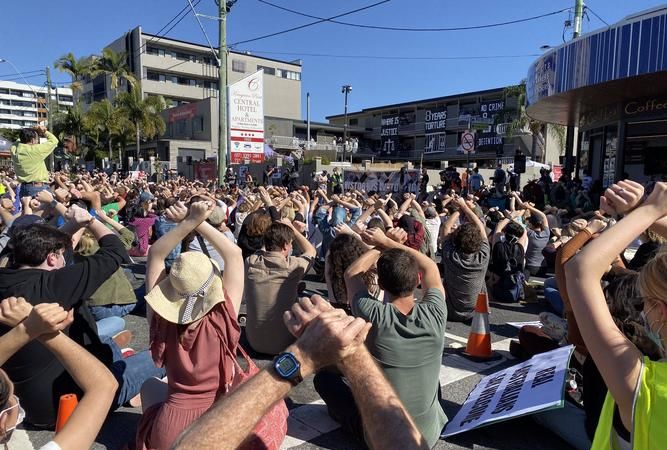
(532, 386)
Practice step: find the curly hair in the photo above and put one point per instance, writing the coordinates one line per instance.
(343, 251)
(468, 239)
(625, 305)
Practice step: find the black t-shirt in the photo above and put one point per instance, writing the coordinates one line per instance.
(34, 369)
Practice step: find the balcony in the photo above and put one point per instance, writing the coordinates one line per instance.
(293, 143)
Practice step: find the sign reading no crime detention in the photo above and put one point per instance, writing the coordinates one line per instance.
(246, 119)
(535, 385)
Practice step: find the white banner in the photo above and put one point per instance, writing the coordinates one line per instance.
(382, 182)
(535, 385)
(246, 119)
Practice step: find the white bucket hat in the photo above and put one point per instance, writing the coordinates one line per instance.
(192, 289)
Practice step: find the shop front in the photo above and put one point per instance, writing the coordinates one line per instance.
(612, 85)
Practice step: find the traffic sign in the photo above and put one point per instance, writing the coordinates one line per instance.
(468, 142)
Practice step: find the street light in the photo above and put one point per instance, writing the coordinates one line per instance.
(346, 89)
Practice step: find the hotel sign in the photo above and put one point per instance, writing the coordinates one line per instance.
(246, 119)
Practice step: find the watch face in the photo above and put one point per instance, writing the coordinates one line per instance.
(286, 365)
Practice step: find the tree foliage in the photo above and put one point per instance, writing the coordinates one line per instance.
(519, 122)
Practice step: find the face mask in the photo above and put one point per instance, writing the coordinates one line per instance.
(19, 419)
(652, 335)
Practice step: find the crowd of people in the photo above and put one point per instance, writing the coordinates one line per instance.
(397, 267)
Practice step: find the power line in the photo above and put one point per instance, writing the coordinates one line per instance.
(18, 77)
(24, 72)
(182, 14)
(595, 14)
(462, 57)
(377, 27)
(309, 24)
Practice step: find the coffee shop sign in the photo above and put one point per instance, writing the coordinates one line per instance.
(651, 106)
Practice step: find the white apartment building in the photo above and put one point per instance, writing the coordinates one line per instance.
(24, 105)
(185, 72)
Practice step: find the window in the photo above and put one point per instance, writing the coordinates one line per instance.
(5, 111)
(184, 56)
(198, 123)
(4, 91)
(238, 65)
(153, 76)
(28, 94)
(290, 75)
(267, 70)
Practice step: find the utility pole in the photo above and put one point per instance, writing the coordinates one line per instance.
(308, 120)
(346, 90)
(222, 89)
(569, 133)
(578, 17)
(49, 115)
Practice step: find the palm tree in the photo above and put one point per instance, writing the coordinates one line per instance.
(77, 68)
(105, 122)
(69, 123)
(144, 114)
(114, 64)
(519, 121)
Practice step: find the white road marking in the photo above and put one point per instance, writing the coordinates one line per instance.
(312, 420)
(20, 441)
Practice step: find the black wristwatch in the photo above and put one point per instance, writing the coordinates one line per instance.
(53, 203)
(288, 367)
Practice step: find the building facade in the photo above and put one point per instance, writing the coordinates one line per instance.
(431, 130)
(612, 85)
(25, 105)
(185, 72)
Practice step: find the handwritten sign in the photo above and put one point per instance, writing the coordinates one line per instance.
(535, 385)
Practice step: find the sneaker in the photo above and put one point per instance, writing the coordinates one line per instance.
(127, 352)
(123, 338)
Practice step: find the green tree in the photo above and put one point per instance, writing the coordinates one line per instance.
(77, 68)
(114, 65)
(143, 113)
(520, 122)
(10, 134)
(105, 122)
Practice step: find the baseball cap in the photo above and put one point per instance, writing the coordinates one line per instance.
(24, 222)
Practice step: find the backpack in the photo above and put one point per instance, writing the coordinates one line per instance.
(508, 262)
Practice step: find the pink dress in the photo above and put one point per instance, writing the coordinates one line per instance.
(198, 372)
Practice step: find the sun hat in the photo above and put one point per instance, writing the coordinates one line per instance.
(192, 289)
(218, 216)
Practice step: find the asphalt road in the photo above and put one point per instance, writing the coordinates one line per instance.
(310, 426)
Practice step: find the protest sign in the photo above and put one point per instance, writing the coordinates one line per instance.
(382, 182)
(535, 385)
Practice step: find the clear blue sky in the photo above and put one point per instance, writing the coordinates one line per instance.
(35, 33)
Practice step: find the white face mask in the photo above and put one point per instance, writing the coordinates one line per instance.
(19, 419)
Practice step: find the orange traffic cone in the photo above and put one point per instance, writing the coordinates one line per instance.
(479, 340)
(66, 407)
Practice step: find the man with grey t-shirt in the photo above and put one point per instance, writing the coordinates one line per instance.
(465, 259)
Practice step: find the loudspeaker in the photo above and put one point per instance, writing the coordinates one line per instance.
(520, 163)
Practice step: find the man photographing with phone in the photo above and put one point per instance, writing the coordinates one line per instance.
(28, 157)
